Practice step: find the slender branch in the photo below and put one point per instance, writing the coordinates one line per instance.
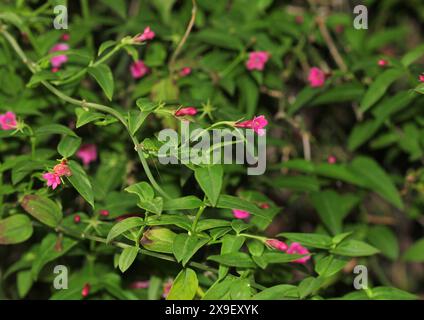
(184, 38)
(330, 43)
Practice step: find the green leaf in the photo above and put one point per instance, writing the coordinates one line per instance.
(186, 246)
(104, 77)
(385, 240)
(230, 244)
(390, 293)
(210, 180)
(249, 95)
(188, 202)
(413, 55)
(135, 120)
(333, 208)
(185, 286)
(376, 179)
(51, 248)
(43, 209)
(123, 226)
(362, 132)
(330, 265)
(143, 190)
(235, 259)
(68, 145)
(54, 129)
(159, 240)
(105, 45)
(15, 229)
(312, 240)
(219, 38)
(379, 87)
(24, 282)
(81, 182)
(279, 257)
(354, 248)
(146, 105)
(415, 253)
(87, 116)
(279, 292)
(127, 258)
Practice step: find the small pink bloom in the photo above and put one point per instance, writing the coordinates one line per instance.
(240, 214)
(297, 248)
(54, 70)
(264, 205)
(383, 62)
(185, 71)
(104, 213)
(316, 77)
(87, 153)
(331, 159)
(147, 34)
(52, 179)
(298, 19)
(66, 37)
(77, 218)
(277, 244)
(421, 78)
(188, 111)
(166, 288)
(86, 290)
(57, 61)
(140, 284)
(257, 60)
(62, 169)
(8, 121)
(139, 69)
(257, 124)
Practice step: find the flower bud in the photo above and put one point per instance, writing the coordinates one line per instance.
(159, 240)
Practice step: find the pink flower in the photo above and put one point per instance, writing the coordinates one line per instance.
(257, 60)
(147, 34)
(383, 62)
(66, 37)
(140, 284)
(166, 288)
(77, 218)
(86, 290)
(104, 213)
(185, 71)
(57, 61)
(331, 159)
(52, 179)
(316, 77)
(8, 121)
(188, 111)
(277, 244)
(240, 214)
(421, 78)
(138, 69)
(87, 153)
(257, 124)
(62, 169)
(297, 248)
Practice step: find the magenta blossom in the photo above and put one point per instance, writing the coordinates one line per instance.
(87, 153)
(421, 78)
(277, 244)
(257, 60)
(147, 34)
(316, 77)
(8, 121)
(62, 169)
(52, 179)
(138, 69)
(257, 124)
(240, 214)
(58, 60)
(297, 248)
(383, 62)
(185, 71)
(166, 288)
(188, 111)
(331, 159)
(140, 284)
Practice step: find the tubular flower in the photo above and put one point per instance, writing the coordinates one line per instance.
(257, 124)
(316, 77)
(53, 180)
(147, 34)
(277, 244)
(188, 111)
(240, 214)
(87, 153)
(139, 69)
(297, 248)
(257, 60)
(58, 60)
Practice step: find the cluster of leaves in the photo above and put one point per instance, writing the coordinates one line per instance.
(176, 224)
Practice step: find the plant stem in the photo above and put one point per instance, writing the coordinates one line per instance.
(174, 56)
(196, 220)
